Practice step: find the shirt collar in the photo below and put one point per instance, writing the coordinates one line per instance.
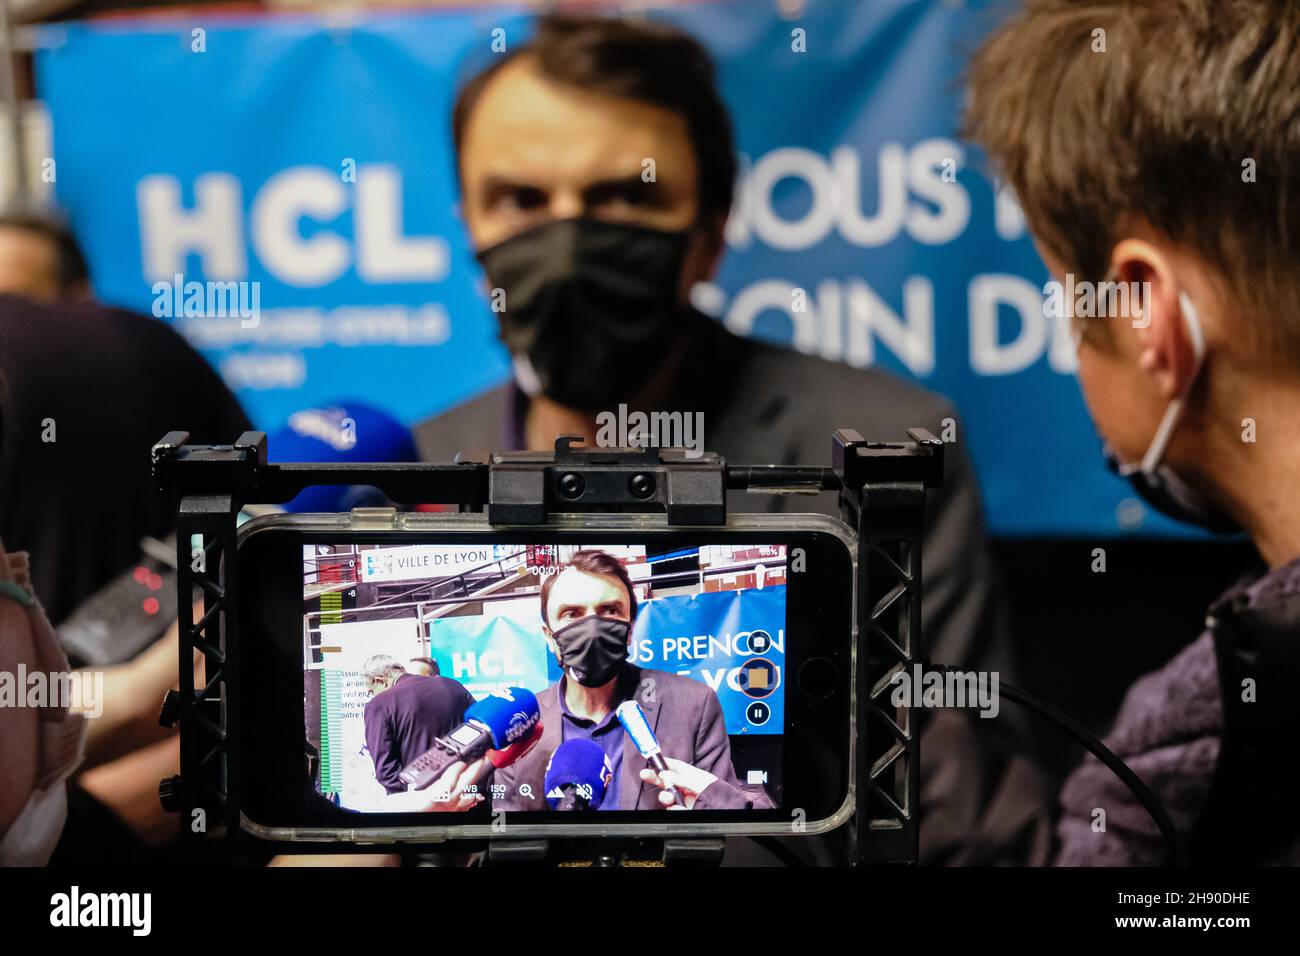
(619, 696)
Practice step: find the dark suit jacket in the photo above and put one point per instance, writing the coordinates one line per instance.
(402, 722)
(687, 720)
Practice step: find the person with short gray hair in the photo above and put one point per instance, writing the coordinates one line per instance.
(405, 714)
(381, 671)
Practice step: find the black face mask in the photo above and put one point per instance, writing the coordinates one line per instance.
(1168, 494)
(593, 649)
(592, 305)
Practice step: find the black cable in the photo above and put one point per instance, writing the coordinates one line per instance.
(1099, 750)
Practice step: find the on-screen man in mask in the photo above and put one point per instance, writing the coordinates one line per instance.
(588, 609)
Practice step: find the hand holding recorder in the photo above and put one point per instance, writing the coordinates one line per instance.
(497, 731)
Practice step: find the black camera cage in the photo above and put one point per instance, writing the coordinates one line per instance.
(882, 490)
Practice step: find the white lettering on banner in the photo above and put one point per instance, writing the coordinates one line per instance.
(345, 326)
(490, 663)
(213, 228)
(169, 233)
(846, 319)
(925, 177)
(263, 371)
(280, 206)
(731, 676)
(791, 162)
(872, 231)
(384, 254)
(1008, 217)
(1037, 332)
(836, 197)
(843, 320)
(464, 664)
(870, 317)
(703, 647)
(421, 561)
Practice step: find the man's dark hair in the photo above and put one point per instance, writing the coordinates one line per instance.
(71, 261)
(639, 60)
(593, 562)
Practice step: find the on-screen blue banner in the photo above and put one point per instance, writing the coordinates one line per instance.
(487, 654)
(308, 160)
(734, 641)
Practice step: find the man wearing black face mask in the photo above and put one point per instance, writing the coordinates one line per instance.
(587, 614)
(597, 167)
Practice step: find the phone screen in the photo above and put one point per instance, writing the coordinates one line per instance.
(404, 644)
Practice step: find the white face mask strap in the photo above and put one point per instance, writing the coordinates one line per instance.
(1165, 433)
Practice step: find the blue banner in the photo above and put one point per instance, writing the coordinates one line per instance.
(734, 641)
(487, 654)
(309, 160)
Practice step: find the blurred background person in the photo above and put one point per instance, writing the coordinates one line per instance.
(41, 259)
(87, 391)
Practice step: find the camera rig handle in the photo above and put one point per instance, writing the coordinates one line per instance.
(881, 488)
(882, 497)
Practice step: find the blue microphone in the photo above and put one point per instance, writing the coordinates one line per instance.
(632, 717)
(577, 776)
(508, 715)
(493, 723)
(342, 432)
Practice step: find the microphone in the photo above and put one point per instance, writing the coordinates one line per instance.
(345, 432)
(500, 759)
(577, 776)
(493, 723)
(632, 717)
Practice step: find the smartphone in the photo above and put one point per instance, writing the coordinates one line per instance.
(367, 638)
